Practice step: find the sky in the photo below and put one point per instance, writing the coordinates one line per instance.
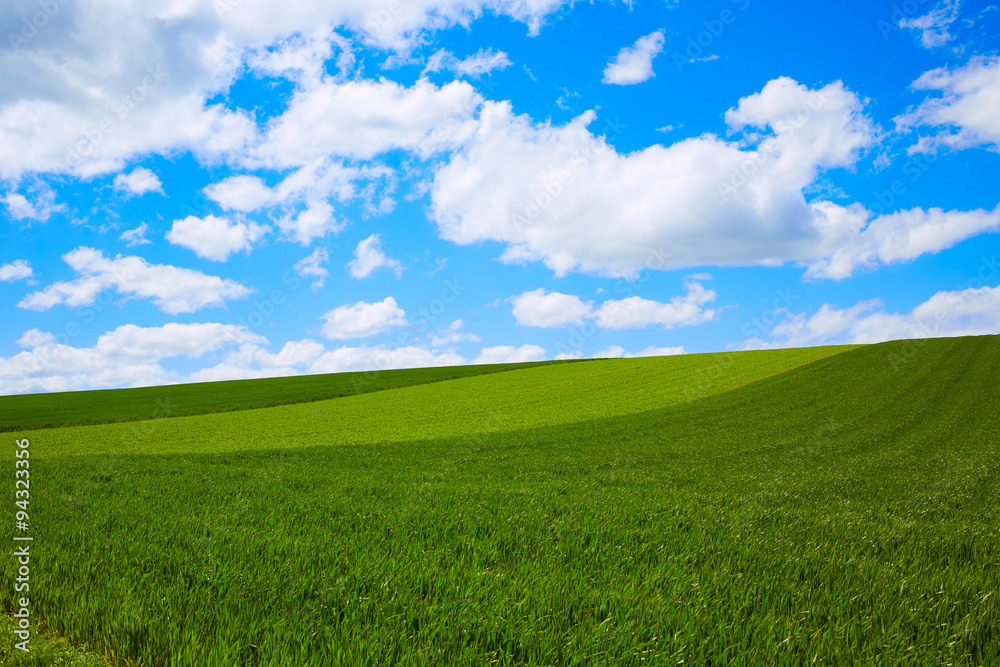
(208, 190)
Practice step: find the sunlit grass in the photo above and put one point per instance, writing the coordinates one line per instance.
(842, 512)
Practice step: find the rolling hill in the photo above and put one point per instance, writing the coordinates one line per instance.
(779, 507)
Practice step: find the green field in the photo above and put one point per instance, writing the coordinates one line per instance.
(33, 411)
(822, 506)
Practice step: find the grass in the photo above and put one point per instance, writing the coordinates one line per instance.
(833, 508)
(46, 650)
(531, 396)
(36, 411)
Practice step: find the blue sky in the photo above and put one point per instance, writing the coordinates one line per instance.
(196, 191)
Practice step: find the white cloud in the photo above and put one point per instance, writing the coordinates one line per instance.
(611, 352)
(313, 222)
(637, 313)
(313, 185)
(549, 192)
(368, 257)
(482, 62)
(538, 308)
(128, 355)
(362, 319)
(174, 290)
(618, 352)
(962, 312)
(361, 119)
(106, 82)
(508, 354)
(903, 236)
(312, 265)
(21, 208)
(653, 351)
(634, 64)
(19, 269)
(322, 178)
(346, 359)
(453, 334)
(241, 193)
(301, 57)
(139, 181)
(252, 360)
(215, 238)
(966, 108)
(933, 26)
(134, 237)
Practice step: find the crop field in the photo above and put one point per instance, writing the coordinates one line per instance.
(33, 411)
(809, 506)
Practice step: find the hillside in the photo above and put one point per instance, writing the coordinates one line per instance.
(776, 507)
(33, 411)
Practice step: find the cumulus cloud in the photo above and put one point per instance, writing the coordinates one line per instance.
(19, 269)
(347, 358)
(242, 192)
(653, 351)
(903, 236)
(44, 205)
(64, 124)
(368, 258)
(970, 311)
(508, 354)
(362, 319)
(215, 238)
(966, 108)
(618, 352)
(134, 80)
(139, 181)
(538, 308)
(321, 179)
(303, 198)
(136, 236)
(453, 334)
(172, 289)
(252, 360)
(314, 222)
(634, 64)
(312, 265)
(361, 119)
(636, 313)
(547, 192)
(482, 62)
(128, 355)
